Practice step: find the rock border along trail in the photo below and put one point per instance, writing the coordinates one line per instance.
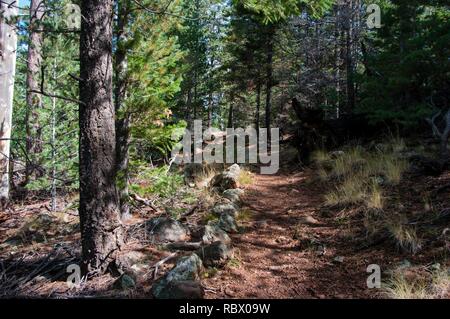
(286, 249)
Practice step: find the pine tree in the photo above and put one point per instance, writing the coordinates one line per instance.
(101, 227)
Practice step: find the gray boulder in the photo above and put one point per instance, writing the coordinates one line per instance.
(215, 254)
(182, 290)
(227, 179)
(227, 223)
(220, 209)
(213, 233)
(234, 195)
(164, 229)
(187, 269)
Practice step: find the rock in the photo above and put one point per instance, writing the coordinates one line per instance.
(405, 264)
(139, 269)
(339, 259)
(234, 169)
(261, 224)
(182, 290)
(309, 220)
(125, 282)
(220, 209)
(234, 195)
(215, 254)
(227, 179)
(167, 229)
(321, 250)
(436, 267)
(187, 269)
(379, 180)
(227, 223)
(229, 292)
(213, 233)
(133, 257)
(282, 240)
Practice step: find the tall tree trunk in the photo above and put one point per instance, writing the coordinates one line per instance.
(53, 140)
(101, 228)
(34, 102)
(258, 107)
(210, 109)
(349, 57)
(8, 46)
(230, 117)
(269, 78)
(338, 60)
(230, 123)
(195, 96)
(123, 117)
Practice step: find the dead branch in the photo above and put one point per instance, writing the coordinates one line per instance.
(190, 212)
(160, 263)
(145, 202)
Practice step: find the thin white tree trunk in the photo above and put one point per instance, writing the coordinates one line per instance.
(8, 47)
(53, 141)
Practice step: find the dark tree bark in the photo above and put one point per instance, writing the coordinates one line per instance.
(123, 117)
(230, 123)
(349, 57)
(210, 109)
(258, 107)
(33, 100)
(269, 78)
(101, 227)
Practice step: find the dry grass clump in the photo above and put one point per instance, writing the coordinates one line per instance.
(358, 175)
(405, 237)
(434, 285)
(245, 177)
(351, 191)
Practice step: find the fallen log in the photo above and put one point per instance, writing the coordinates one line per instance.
(184, 246)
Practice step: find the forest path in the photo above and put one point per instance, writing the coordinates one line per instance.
(271, 257)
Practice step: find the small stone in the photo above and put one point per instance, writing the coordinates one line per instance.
(39, 279)
(436, 267)
(139, 269)
(229, 292)
(321, 250)
(339, 259)
(282, 240)
(404, 264)
(309, 220)
(261, 224)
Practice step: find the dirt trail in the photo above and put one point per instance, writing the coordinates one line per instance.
(272, 260)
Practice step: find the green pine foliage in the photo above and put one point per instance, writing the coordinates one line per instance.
(409, 63)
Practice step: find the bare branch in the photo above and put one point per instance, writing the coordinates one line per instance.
(69, 99)
(433, 124)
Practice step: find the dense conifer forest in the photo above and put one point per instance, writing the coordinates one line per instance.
(225, 149)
